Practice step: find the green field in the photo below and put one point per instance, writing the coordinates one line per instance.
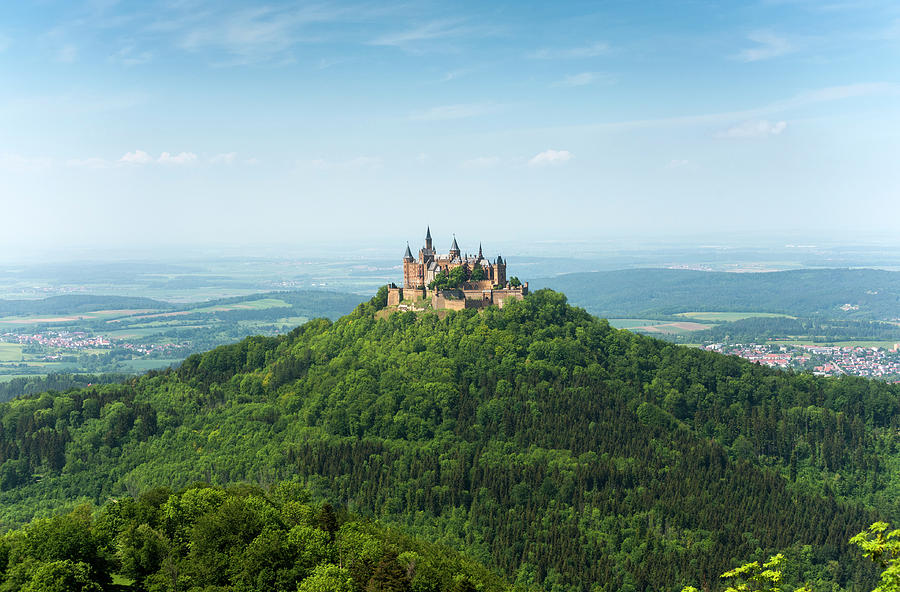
(10, 352)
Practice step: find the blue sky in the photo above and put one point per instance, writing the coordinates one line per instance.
(215, 122)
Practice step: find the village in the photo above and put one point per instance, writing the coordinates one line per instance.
(823, 360)
(53, 345)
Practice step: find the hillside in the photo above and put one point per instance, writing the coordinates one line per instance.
(806, 292)
(536, 438)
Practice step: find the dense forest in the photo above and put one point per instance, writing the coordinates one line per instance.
(205, 539)
(31, 385)
(805, 293)
(818, 330)
(536, 438)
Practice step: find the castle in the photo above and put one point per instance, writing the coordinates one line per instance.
(454, 281)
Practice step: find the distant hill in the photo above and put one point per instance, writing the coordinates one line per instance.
(536, 438)
(870, 294)
(77, 303)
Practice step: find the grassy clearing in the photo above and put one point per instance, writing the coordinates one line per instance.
(11, 352)
(727, 317)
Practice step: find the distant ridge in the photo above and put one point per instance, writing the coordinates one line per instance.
(804, 292)
(75, 303)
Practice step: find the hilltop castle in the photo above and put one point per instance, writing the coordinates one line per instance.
(456, 281)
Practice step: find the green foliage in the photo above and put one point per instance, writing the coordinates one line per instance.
(208, 538)
(883, 548)
(477, 273)
(515, 282)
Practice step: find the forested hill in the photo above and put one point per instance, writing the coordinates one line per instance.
(806, 292)
(76, 303)
(536, 438)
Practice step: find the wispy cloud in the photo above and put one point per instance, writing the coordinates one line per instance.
(445, 112)
(224, 158)
(249, 35)
(584, 79)
(768, 45)
(89, 163)
(754, 129)
(722, 118)
(177, 159)
(584, 51)
(677, 163)
(136, 157)
(67, 54)
(551, 157)
(130, 56)
(357, 163)
(414, 37)
(23, 164)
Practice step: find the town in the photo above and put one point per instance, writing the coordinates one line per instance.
(823, 360)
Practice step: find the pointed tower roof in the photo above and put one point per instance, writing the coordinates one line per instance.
(408, 255)
(454, 246)
(480, 256)
(499, 259)
(428, 233)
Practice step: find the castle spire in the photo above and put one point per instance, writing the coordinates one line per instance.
(454, 246)
(480, 256)
(428, 237)
(408, 255)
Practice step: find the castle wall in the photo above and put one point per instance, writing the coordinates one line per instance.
(395, 296)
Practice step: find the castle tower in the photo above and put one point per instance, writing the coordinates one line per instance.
(412, 271)
(454, 249)
(428, 244)
(500, 271)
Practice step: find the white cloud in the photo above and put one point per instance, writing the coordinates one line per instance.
(585, 51)
(482, 162)
(677, 163)
(584, 78)
(551, 157)
(252, 161)
(754, 129)
(224, 158)
(768, 45)
(445, 112)
(180, 158)
(136, 157)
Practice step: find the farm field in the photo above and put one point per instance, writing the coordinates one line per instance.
(729, 317)
(10, 352)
